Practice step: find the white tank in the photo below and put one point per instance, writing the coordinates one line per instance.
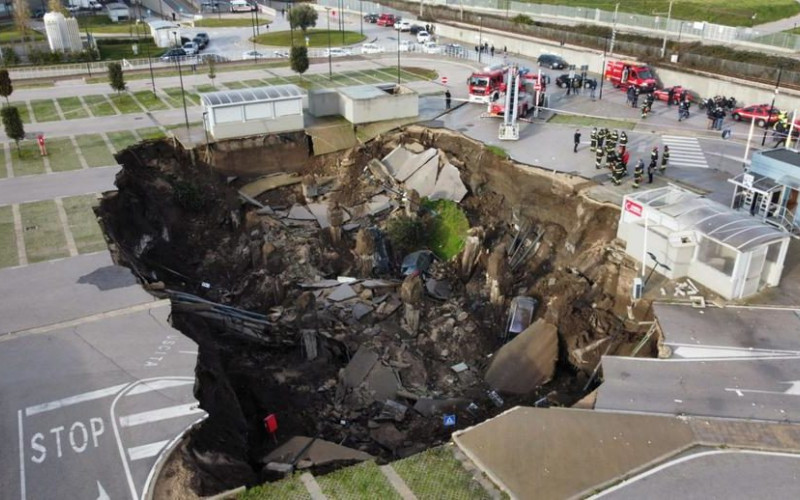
(63, 34)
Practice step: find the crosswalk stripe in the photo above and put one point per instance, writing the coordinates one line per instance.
(160, 414)
(146, 450)
(157, 385)
(685, 151)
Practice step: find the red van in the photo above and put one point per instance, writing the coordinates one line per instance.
(387, 20)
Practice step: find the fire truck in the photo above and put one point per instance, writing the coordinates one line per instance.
(623, 74)
(527, 87)
(482, 85)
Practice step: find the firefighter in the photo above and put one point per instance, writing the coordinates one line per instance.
(664, 159)
(651, 169)
(644, 110)
(654, 155)
(638, 173)
(610, 146)
(577, 140)
(601, 137)
(611, 159)
(617, 173)
(623, 142)
(593, 139)
(598, 159)
(614, 138)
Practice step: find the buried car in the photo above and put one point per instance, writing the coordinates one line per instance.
(520, 316)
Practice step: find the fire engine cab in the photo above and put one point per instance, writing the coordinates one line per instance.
(528, 89)
(482, 84)
(623, 74)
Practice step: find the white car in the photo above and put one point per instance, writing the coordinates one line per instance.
(432, 48)
(372, 48)
(281, 54)
(405, 46)
(423, 36)
(253, 54)
(337, 52)
(402, 26)
(191, 48)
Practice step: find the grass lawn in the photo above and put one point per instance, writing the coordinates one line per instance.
(192, 99)
(33, 85)
(83, 223)
(150, 133)
(364, 480)
(30, 163)
(419, 73)
(728, 12)
(150, 101)
(10, 34)
(587, 121)
(62, 155)
(99, 105)
(233, 22)
(117, 51)
(72, 108)
(23, 111)
(125, 103)
(44, 110)
(448, 229)
(235, 85)
(122, 139)
(436, 473)
(286, 489)
(221, 68)
(101, 23)
(95, 151)
(8, 238)
(317, 38)
(206, 87)
(42, 231)
(254, 83)
(497, 151)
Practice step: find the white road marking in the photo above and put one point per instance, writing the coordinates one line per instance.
(793, 390)
(22, 492)
(684, 152)
(157, 385)
(686, 352)
(72, 400)
(680, 460)
(188, 352)
(146, 450)
(160, 414)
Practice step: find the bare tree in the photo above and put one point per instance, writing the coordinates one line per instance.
(57, 6)
(22, 16)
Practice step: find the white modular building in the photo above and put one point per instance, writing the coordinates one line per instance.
(165, 33)
(272, 109)
(63, 35)
(683, 234)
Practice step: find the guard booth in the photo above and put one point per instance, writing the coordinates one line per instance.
(262, 110)
(683, 234)
(770, 189)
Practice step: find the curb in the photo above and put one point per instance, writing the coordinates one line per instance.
(155, 473)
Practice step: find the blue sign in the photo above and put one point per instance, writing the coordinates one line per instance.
(449, 420)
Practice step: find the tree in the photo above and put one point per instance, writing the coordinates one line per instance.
(212, 70)
(12, 123)
(22, 16)
(5, 84)
(298, 59)
(115, 77)
(57, 6)
(303, 16)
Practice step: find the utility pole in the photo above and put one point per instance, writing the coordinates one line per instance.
(183, 92)
(613, 32)
(398, 57)
(666, 30)
(480, 38)
(330, 64)
(772, 105)
(603, 69)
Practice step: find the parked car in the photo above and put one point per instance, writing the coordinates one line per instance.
(454, 50)
(337, 52)
(552, 61)
(405, 46)
(432, 48)
(173, 54)
(402, 26)
(371, 18)
(562, 81)
(520, 316)
(663, 94)
(254, 54)
(95, 6)
(386, 20)
(382, 257)
(191, 48)
(281, 54)
(423, 36)
(38, 14)
(371, 48)
(759, 111)
(208, 57)
(204, 37)
(417, 262)
(416, 28)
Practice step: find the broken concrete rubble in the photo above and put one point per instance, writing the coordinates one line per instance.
(526, 362)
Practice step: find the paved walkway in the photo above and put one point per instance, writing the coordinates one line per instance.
(779, 25)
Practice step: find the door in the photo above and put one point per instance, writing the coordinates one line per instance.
(791, 201)
(753, 276)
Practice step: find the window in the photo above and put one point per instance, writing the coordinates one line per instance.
(716, 255)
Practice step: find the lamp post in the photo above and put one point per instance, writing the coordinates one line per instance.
(361, 15)
(398, 58)
(147, 51)
(255, 12)
(772, 105)
(666, 30)
(341, 19)
(680, 31)
(255, 52)
(291, 26)
(330, 63)
(480, 38)
(603, 70)
(183, 92)
(656, 266)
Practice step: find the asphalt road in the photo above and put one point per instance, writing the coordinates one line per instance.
(58, 184)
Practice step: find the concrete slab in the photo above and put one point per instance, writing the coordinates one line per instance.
(342, 293)
(320, 212)
(449, 185)
(299, 212)
(424, 179)
(320, 453)
(359, 367)
(257, 187)
(402, 164)
(527, 362)
(561, 453)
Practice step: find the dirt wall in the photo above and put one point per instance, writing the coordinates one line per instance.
(261, 155)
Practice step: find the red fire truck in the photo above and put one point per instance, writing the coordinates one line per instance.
(485, 83)
(526, 94)
(623, 74)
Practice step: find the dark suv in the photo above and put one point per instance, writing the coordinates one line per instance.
(552, 61)
(371, 18)
(173, 54)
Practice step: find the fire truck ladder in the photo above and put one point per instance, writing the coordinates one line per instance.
(509, 129)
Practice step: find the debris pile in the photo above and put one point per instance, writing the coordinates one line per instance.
(303, 307)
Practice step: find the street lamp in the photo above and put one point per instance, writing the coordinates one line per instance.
(398, 58)
(603, 69)
(772, 105)
(341, 19)
(361, 15)
(183, 92)
(146, 49)
(480, 38)
(255, 52)
(656, 266)
(330, 63)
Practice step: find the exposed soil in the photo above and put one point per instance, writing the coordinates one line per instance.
(184, 228)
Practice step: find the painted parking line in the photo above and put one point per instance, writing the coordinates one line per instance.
(685, 151)
(167, 413)
(146, 450)
(158, 385)
(73, 400)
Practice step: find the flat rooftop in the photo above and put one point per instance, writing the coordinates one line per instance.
(784, 155)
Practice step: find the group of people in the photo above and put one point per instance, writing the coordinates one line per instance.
(486, 49)
(575, 83)
(613, 145)
(715, 116)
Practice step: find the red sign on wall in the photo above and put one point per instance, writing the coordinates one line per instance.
(633, 208)
(271, 423)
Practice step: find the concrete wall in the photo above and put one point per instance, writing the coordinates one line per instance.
(324, 102)
(388, 107)
(257, 127)
(707, 86)
(246, 156)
